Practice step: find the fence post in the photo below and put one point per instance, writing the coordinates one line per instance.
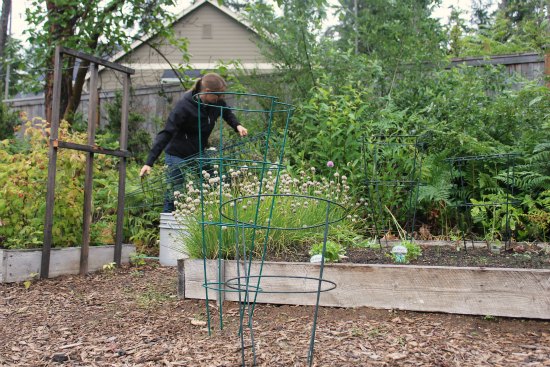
(547, 65)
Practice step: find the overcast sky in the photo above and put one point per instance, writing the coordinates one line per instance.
(19, 6)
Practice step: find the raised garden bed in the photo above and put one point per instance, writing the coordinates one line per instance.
(481, 290)
(20, 265)
(448, 253)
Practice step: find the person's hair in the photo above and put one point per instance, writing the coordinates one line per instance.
(211, 81)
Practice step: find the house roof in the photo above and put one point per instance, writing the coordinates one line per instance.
(178, 17)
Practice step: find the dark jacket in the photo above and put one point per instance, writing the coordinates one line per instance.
(180, 136)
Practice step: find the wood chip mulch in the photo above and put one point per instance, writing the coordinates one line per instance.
(132, 317)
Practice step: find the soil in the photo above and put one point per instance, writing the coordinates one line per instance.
(516, 256)
(132, 317)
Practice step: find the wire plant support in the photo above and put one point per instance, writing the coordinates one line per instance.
(470, 196)
(392, 167)
(238, 224)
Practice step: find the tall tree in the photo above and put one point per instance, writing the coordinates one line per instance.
(4, 19)
(481, 17)
(516, 26)
(96, 27)
(393, 31)
(236, 5)
(290, 32)
(523, 21)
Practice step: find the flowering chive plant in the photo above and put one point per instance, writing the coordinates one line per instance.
(292, 206)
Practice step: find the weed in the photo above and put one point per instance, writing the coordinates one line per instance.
(333, 251)
(375, 332)
(109, 267)
(27, 283)
(138, 259)
(150, 298)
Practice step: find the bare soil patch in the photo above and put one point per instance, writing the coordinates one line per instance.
(132, 317)
(527, 256)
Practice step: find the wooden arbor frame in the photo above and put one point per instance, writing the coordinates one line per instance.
(91, 149)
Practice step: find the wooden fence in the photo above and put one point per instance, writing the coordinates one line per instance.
(153, 103)
(531, 66)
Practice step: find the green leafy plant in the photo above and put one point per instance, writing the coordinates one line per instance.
(8, 121)
(414, 251)
(333, 251)
(138, 259)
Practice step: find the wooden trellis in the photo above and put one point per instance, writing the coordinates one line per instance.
(91, 149)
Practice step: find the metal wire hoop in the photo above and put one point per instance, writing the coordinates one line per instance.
(242, 224)
(241, 286)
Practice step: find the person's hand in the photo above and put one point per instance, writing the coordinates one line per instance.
(145, 170)
(242, 130)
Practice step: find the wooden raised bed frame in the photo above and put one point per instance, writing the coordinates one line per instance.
(467, 290)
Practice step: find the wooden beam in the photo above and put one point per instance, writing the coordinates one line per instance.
(467, 290)
(181, 279)
(547, 67)
(90, 149)
(89, 172)
(122, 169)
(498, 60)
(52, 165)
(96, 60)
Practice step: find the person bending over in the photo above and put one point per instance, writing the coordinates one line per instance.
(180, 136)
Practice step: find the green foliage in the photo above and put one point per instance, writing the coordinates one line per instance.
(8, 121)
(281, 213)
(414, 251)
(139, 140)
(331, 128)
(333, 251)
(398, 32)
(385, 89)
(94, 27)
(137, 259)
(516, 26)
(14, 56)
(109, 267)
(23, 175)
(289, 33)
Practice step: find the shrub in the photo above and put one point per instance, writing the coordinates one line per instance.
(23, 177)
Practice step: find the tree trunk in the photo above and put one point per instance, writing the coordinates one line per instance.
(4, 19)
(76, 94)
(56, 31)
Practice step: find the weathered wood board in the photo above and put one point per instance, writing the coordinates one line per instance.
(477, 291)
(19, 265)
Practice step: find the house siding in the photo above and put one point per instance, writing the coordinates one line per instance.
(230, 40)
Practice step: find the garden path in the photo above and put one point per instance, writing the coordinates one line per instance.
(132, 317)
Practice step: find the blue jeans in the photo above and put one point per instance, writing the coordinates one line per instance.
(174, 180)
(177, 172)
